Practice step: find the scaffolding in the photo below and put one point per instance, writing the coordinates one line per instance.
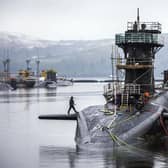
(111, 89)
(117, 88)
(132, 63)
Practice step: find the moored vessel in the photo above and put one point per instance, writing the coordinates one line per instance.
(133, 108)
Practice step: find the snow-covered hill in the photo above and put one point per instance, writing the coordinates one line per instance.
(22, 40)
(71, 57)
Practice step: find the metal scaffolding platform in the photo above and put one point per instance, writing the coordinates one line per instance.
(135, 66)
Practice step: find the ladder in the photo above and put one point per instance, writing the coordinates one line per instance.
(124, 99)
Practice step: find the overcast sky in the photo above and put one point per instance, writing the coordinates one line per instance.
(77, 19)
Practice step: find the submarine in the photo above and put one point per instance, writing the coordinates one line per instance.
(134, 108)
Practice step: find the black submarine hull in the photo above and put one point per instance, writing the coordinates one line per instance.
(96, 130)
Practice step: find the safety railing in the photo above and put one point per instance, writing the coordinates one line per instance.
(133, 61)
(112, 89)
(139, 37)
(116, 88)
(151, 26)
(132, 88)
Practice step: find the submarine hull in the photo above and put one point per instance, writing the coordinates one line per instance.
(97, 129)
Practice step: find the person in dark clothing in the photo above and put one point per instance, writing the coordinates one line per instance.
(71, 105)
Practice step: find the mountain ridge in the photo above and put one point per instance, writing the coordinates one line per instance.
(69, 57)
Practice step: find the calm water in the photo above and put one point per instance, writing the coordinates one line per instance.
(27, 142)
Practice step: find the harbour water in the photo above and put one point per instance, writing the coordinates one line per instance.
(27, 142)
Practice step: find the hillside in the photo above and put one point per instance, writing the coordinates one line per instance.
(70, 58)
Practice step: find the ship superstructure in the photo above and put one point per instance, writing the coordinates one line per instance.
(140, 42)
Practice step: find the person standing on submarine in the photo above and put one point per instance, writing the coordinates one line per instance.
(71, 105)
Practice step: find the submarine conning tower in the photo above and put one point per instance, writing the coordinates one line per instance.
(140, 43)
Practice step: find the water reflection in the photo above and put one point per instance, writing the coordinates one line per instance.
(147, 155)
(39, 94)
(72, 158)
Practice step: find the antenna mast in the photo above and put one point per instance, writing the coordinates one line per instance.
(138, 18)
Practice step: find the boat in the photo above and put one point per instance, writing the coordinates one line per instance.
(51, 85)
(29, 82)
(64, 82)
(25, 79)
(5, 86)
(134, 109)
(46, 84)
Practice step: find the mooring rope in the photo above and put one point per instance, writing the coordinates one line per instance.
(121, 142)
(127, 119)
